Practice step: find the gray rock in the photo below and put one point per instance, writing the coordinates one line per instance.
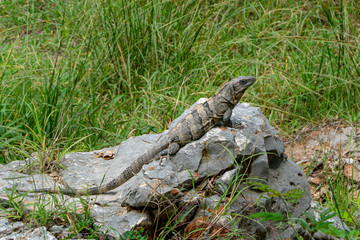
(15, 180)
(117, 220)
(188, 207)
(34, 234)
(250, 149)
(7, 227)
(12, 181)
(289, 176)
(251, 119)
(226, 181)
(297, 232)
(62, 230)
(259, 169)
(39, 234)
(14, 166)
(285, 177)
(100, 171)
(206, 157)
(216, 151)
(292, 232)
(322, 236)
(274, 148)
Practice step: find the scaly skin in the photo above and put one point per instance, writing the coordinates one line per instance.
(192, 127)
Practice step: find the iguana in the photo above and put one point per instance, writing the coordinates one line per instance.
(192, 127)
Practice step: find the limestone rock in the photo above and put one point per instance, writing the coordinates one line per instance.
(34, 234)
(7, 227)
(217, 163)
(116, 220)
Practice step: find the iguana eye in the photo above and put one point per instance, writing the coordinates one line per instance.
(243, 82)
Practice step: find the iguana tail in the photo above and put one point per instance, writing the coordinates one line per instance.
(123, 177)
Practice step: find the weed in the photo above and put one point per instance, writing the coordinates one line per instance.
(135, 234)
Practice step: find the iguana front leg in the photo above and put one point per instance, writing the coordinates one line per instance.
(226, 117)
(225, 120)
(172, 150)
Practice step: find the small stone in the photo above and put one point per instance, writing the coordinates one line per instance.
(348, 160)
(107, 155)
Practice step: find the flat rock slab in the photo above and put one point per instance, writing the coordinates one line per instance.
(7, 227)
(117, 221)
(11, 181)
(33, 234)
(88, 169)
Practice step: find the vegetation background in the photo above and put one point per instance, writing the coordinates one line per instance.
(83, 75)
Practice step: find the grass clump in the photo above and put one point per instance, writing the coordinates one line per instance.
(51, 212)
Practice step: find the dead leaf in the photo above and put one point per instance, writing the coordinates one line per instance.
(351, 172)
(315, 180)
(107, 155)
(175, 191)
(197, 228)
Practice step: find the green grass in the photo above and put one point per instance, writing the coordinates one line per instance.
(82, 75)
(106, 70)
(50, 212)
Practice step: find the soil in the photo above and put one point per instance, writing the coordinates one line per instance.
(330, 156)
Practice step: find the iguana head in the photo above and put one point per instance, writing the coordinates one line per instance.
(240, 84)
